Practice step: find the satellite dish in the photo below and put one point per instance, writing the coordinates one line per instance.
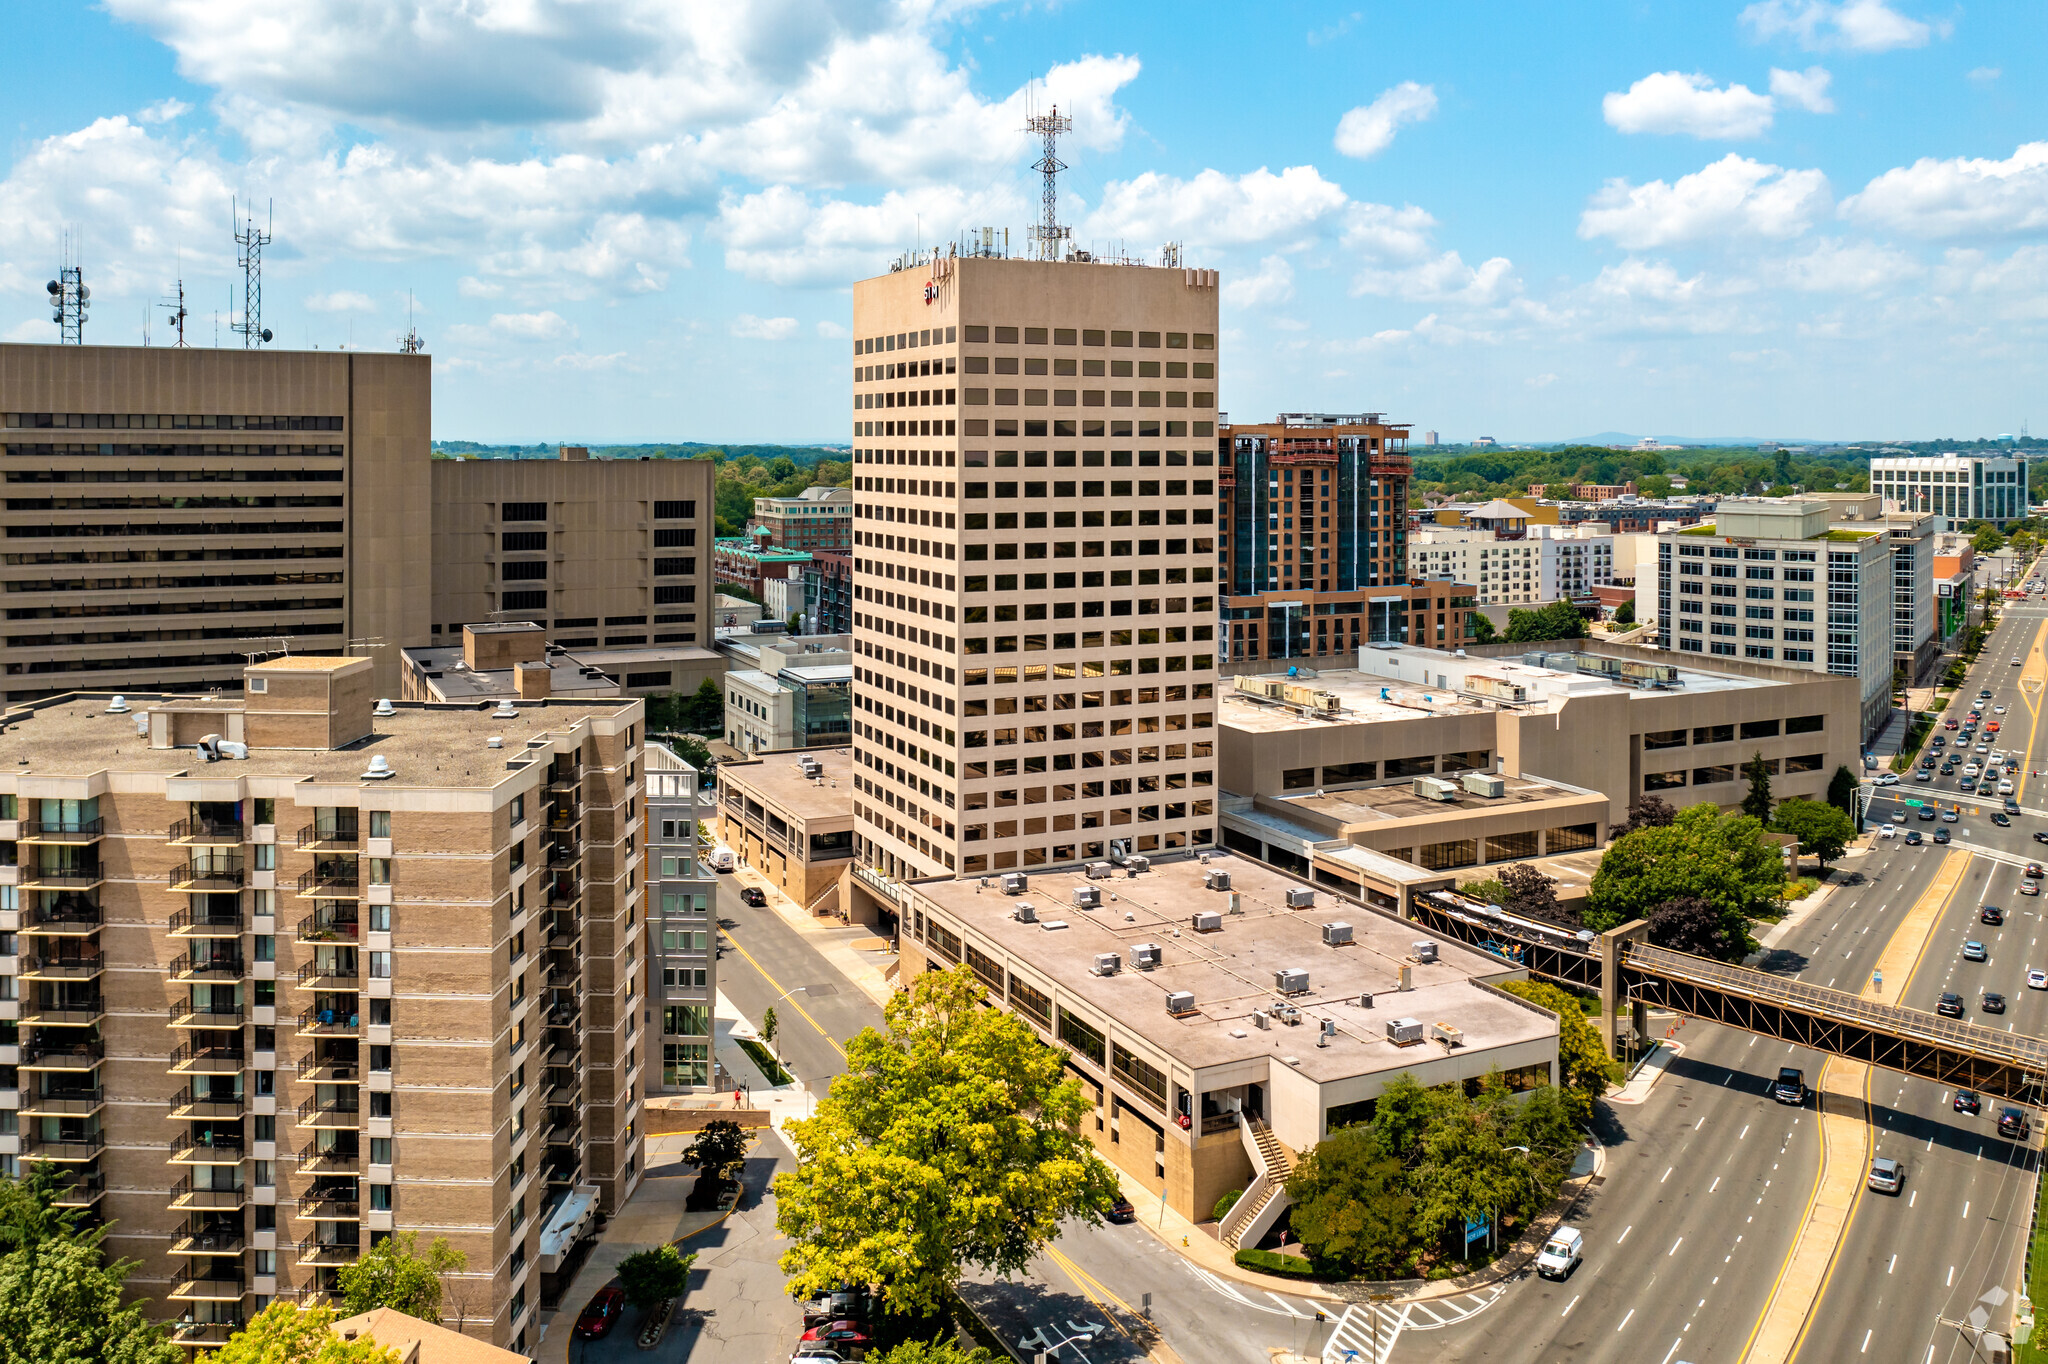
(84, 292)
(54, 287)
(266, 333)
(57, 317)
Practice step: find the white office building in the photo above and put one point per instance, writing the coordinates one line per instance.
(1573, 560)
(1775, 580)
(1955, 488)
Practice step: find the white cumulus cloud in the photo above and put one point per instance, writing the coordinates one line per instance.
(1690, 103)
(1214, 209)
(1369, 129)
(752, 328)
(1855, 25)
(1734, 197)
(546, 325)
(1959, 196)
(341, 301)
(1272, 282)
(1806, 89)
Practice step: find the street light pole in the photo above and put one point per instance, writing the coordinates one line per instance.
(801, 989)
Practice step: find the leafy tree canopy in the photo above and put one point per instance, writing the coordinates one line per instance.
(1482, 628)
(1822, 830)
(651, 1277)
(721, 1142)
(1532, 895)
(394, 1274)
(60, 1297)
(1690, 924)
(1842, 791)
(282, 1334)
(1351, 1206)
(1648, 812)
(1583, 1063)
(1757, 804)
(933, 1352)
(952, 1141)
(1558, 620)
(1723, 859)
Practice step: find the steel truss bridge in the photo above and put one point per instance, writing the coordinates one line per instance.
(1625, 969)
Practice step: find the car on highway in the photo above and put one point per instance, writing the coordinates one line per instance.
(1998, 710)
(1941, 835)
(1974, 951)
(1993, 1002)
(1561, 1253)
(602, 1313)
(1951, 815)
(1967, 1102)
(2001, 819)
(753, 895)
(2030, 887)
(2012, 1123)
(1928, 812)
(1971, 769)
(2041, 835)
(1927, 761)
(1952, 724)
(2033, 871)
(1886, 1176)
(1913, 839)
(1790, 1086)
(1923, 775)
(1990, 914)
(1983, 693)
(1967, 784)
(1887, 779)
(1950, 1005)
(1887, 830)
(2012, 805)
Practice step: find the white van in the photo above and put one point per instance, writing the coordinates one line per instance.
(1561, 1253)
(722, 858)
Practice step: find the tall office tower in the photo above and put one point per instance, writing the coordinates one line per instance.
(597, 552)
(170, 510)
(287, 973)
(1034, 563)
(1315, 544)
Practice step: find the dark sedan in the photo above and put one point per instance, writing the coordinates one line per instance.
(2001, 819)
(754, 895)
(1994, 1002)
(1967, 1102)
(1950, 1005)
(1991, 914)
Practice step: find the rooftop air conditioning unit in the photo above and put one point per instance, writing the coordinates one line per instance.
(1025, 913)
(1099, 871)
(1107, 964)
(1216, 880)
(1434, 788)
(1208, 921)
(1365, 999)
(1446, 1034)
(1337, 935)
(1087, 897)
(1180, 1002)
(1291, 980)
(1137, 863)
(1301, 897)
(1425, 951)
(1260, 1021)
(1014, 882)
(1144, 956)
(1485, 784)
(1404, 1032)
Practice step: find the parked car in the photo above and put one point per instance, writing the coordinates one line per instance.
(842, 1304)
(1121, 1210)
(1561, 1253)
(841, 1335)
(1993, 1002)
(602, 1313)
(1950, 1005)
(2012, 1123)
(1886, 1176)
(722, 859)
(753, 895)
(1967, 1102)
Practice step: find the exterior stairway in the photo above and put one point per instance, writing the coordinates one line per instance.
(1262, 1203)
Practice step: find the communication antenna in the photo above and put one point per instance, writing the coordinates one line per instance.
(70, 300)
(410, 343)
(1047, 234)
(178, 314)
(251, 240)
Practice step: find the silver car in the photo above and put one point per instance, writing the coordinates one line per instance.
(1886, 1176)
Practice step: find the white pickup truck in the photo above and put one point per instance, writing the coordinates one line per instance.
(1561, 1253)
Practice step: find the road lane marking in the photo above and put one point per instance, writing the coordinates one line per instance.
(1745, 1132)
(1715, 1185)
(1624, 1233)
(776, 985)
(1570, 1305)
(1679, 1242)
(1673, 1350)
(1866, 1341)
(1624, 1320)
(1667, 1174)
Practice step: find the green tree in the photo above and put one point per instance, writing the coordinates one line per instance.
(651, 1277)
(952, 1141)
(1690, 924)
(720, 1143)
(1822, 830)
(1531, 894)
(768, 1022)
(1757, 804)
(932, 1352)
(704, 712)
(282, 1334)
(392, 1273)
(1351, 1204)
(60, 1297)
(1558, 620)
(1842, 791)
(1987, 541)
(693, 751)
(1582, 1061)
(1482, 628)
(1723, 859)
(1625, 614)
(1644, 812)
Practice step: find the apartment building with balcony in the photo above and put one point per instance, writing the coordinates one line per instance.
(682, 933)
(815, 519)
(288, 970)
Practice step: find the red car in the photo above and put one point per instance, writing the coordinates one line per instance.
(840, 1335)
(603, 1313)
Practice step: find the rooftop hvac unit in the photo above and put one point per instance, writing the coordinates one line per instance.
(1485, 784)
(1495, 688)
(1025, 913)
(1300, 897)
(1404, 1032)
(1328, 1031)
(1261, 1021)
(1365, 999)
(1291, 980)
(1336, 935)
(1100, 871)
(1446, 1034)
(1180, 1002)
(1014, 882)
(1144, 956)
(1208, 921)
(1087, 897)
(1137, 863)
(1435, 788)
(1216, 880)
(1425, 951)
(1108, 963)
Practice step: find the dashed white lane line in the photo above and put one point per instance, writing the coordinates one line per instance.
(1624, 1233)
(1667, 1174)
(1673, 1350)
(1715, 1185)
(1676, 1244)
(1570, 1305)
(1866, 1341)
(1624, 1321)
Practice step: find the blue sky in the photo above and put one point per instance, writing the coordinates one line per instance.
(634, 220)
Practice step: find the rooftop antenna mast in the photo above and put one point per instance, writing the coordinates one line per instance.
(251, 239)
(70, 300)
(178, 314)
(410, 343)
(1047, 234)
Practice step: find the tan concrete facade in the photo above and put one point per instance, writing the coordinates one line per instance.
(166, 507)
(597, 552)
(273, 1007)
(794, 829)
(1078, 493)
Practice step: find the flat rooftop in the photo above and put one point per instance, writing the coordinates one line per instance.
(580, 674)
(777, 779)
(439, 745)
(1373, 804)
(1230, 972)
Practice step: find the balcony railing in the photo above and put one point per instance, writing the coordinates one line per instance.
(205, 831)
(320, 1250)
(195, 1060)
(563, 852)
(80, 963)
(313, 1160)
(208, 1241)
(66, 916)
(329, 1071)
(327, 926)
(330, 1207)
(344, 1113)
(332, 879)
(206, 922)
(185, 1197)
(82, 1190)
(62, 1056)
(184, 1015)
(219, 873)
(215, 1150)
(564, 889)
(191, 1103)
(207, 966)
(566, 778)
(320, 834)
(328, 1023)
(70, 1101)
(208, 1288)
(61, 875)
(64, 1013)
(331, 974)
(75, 1148)
(565, 813)
(205, 1333)
(61, 830)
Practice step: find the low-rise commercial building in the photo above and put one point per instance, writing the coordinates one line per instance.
(796, 696)
(815, 519)
(514, 659)
(294, 972)
(1220, 1015)
(741, 562)
(790, 817)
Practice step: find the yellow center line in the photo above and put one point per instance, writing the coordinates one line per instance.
(1090, 1289)
(776, 986)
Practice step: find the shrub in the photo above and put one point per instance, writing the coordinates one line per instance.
(1227, 1202)
(1268, 1262)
